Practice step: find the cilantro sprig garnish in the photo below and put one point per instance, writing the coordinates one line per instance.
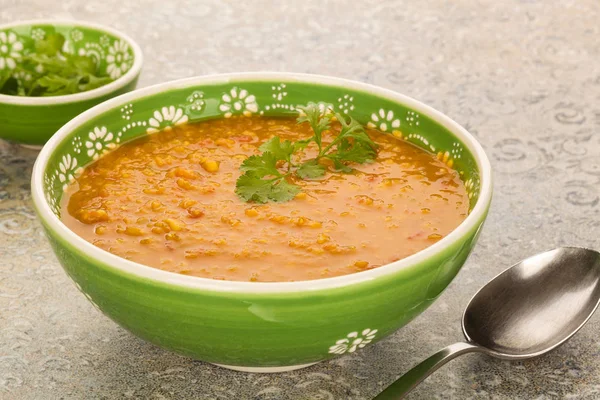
(269, 176)
(49, 71)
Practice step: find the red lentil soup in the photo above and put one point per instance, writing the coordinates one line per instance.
(168, 201)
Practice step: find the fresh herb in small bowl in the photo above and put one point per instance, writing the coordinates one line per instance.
(49, 71)
(48, 77)
(267, 176)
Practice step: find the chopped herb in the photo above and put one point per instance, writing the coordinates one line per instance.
(267, 177)
(49, 71)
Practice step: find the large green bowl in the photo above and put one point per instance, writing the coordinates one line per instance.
(251, 326)
(33, 120)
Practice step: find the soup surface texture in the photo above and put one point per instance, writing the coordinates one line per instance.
(168, 201)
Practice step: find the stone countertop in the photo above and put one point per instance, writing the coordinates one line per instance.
(523, 76)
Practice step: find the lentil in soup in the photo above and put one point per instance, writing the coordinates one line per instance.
(168, 201)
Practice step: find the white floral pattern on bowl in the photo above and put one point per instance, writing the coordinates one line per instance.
(279, 92)
(104, 41)
(68, 170)
(165, 118)
(101, 140)
(76, 35)
(118, 59)
(38, 34)
(324, 108)
(384, 120)
(49, 181)
(238, 101)
(10, 50)
(196, 100)
(345, 103)
(93, 50)
(353, 341)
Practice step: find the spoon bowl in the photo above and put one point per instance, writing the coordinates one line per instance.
(536, 305)
(526, 311)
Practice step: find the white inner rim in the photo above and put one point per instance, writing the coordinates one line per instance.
(90, 94)
(260, 287)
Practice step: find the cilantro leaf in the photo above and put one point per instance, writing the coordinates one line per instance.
(51, 45)
(49, 71)
(280, 150)
(359, 136)
(310, 169)
(250, 187)
(83, 64)
(349, 127)
(340, 166)
(263, 181)
(263, 165)
(318, 122)
(352, 145)
(284, 191)
(301, 144)
(93, 82)
(356, 152)
(57, 84)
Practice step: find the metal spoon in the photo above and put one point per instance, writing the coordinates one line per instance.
(526, 311)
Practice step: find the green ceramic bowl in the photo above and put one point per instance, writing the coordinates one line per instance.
(33, 120)
(250, 326)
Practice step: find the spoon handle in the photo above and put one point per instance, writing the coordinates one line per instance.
(418, 373)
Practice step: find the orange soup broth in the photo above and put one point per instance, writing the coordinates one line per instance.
(168, 201)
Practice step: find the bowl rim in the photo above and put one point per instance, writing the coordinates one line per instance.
(122, 81)
(191, 282)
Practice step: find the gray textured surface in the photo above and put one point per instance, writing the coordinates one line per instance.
(523, 76)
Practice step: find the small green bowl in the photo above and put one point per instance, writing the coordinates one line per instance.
(252, 326)
(33, 120)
